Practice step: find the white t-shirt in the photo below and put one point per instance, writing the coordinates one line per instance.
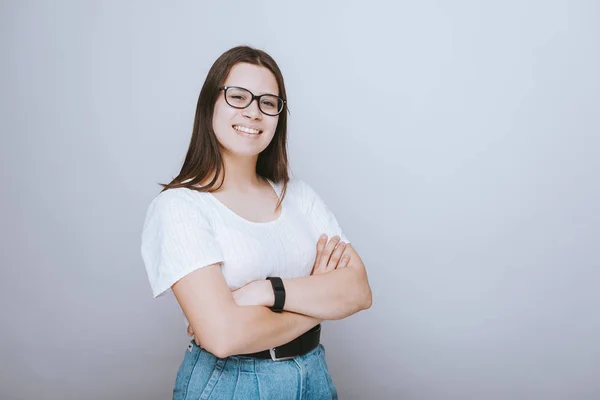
(185, 230)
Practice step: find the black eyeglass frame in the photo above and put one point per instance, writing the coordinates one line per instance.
(283, 102)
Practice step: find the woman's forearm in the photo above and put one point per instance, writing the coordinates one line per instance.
(257, 328)
(334, 295)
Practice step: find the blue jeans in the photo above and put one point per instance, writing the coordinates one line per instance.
(202, 375)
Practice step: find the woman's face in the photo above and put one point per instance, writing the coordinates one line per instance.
(229, 123)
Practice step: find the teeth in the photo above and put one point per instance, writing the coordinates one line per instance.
(246, 130)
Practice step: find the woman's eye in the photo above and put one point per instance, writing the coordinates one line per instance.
(237, 97)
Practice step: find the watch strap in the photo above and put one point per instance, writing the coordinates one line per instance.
(279, 293)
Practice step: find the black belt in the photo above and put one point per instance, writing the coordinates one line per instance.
(297, 347)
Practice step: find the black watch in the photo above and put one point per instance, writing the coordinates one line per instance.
(279, 292)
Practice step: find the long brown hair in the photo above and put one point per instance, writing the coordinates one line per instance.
(204, 155)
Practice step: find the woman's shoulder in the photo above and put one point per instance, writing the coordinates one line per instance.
(178, 199)
(300, 188)
(296, 184)
(302, 193)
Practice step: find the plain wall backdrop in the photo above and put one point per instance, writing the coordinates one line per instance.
(456, 142)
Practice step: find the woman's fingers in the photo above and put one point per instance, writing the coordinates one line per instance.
(344, 261)
(324, 262)
(329, 255)
(190, 332)
(320, 247)
(335, 256)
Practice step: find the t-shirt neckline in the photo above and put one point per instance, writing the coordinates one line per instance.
(237, 216)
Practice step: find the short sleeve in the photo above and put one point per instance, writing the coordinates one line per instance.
(318, 214)
(177, 238)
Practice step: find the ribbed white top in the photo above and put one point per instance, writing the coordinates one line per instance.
(185, 230)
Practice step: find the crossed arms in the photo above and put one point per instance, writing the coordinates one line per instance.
(239, 322)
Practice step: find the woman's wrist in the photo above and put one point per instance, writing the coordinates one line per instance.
(268, 296)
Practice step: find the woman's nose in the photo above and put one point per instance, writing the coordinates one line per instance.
(252, 111)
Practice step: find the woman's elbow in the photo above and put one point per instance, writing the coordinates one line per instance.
(216, 346)
(363, 297)
(367, 299)
(352, 305)
(363, 300)
(222, 351)
(219, 341)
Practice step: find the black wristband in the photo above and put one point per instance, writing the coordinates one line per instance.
(279, 292)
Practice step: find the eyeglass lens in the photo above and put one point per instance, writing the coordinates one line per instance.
(241, 98)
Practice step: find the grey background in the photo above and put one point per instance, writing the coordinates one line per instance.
(457, 142)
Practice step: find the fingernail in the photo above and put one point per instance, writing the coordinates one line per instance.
(323, 236)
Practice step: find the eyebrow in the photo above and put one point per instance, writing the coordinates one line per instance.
(259, 94)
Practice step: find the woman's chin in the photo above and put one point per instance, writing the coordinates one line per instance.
(244, 151)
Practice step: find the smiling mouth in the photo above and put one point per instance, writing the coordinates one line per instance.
(245, 129)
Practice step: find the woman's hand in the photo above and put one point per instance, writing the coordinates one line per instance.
(329, 255)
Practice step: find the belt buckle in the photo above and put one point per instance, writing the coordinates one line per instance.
(274, 356)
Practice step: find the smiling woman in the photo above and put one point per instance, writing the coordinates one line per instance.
(237, 112)
(245, 249)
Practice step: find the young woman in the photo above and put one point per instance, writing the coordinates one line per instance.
(245, 249)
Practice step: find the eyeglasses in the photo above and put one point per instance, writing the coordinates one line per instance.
(238, 97)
